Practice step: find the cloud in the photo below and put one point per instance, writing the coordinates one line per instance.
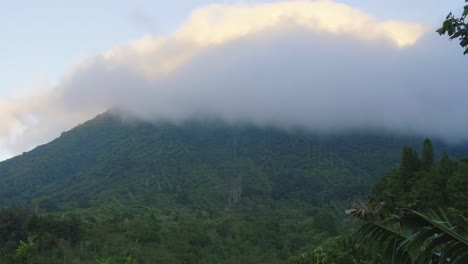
(317, 65)
(217, 24)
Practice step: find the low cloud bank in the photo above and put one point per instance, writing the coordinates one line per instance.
(315, 65)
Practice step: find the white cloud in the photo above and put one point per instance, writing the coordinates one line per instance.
(320, 65)
(218, 24)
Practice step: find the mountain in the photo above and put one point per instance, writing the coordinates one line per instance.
(201, 191)
(116, 163)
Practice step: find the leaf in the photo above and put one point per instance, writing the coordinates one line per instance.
(464, 42)
(444, 225)
(427, 238)
(456, 35)
(451, 29)
(414, 243)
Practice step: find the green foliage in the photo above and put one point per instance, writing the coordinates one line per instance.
(201, 192)
(42, 233)
(339, 250)
(24, 251)
(388, 186)
(103, 261)
(253, 233)
(410, 164)
(428, 191)
(109, 163)
(428, 186)
(13, 227)
(457, 187)
(130, 260)
(326, 222)
(393, 235)
(402, 235)
(456, 28)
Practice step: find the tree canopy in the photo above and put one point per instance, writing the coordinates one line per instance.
(456, 28)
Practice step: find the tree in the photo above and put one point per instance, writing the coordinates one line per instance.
(427, 193)
(326, 222)
(456, 28)
(24, 251)
(339, 250)
(409, 165)
(457, 186)
(103, 261)
(13, 227)
(447, 168)
(427, 155)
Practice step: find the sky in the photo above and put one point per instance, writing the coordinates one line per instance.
(327, 65)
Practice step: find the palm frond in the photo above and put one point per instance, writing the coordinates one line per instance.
(409, 236)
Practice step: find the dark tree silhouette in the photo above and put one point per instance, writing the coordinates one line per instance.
(456, 28)
(427, 155)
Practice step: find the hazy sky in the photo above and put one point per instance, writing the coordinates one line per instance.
(317, 64)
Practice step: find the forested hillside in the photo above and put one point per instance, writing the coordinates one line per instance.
(197, 192)
(107, 163)
(417, 213)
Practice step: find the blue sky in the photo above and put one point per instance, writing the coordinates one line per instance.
(42, 40)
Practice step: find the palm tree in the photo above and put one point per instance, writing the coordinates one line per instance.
(392, 235)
